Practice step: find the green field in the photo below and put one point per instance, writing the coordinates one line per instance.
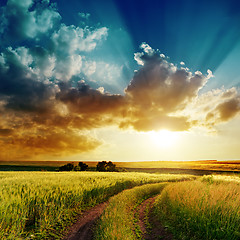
(118, 220)
(207, 208)
(41, 205)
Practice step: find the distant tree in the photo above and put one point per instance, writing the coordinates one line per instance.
(106, 166)
(101, 166)
(83, 166)
(67, 167)
(110, 167)
(77, 168)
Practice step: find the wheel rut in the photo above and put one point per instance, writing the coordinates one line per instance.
(84, 227)
(150, 227)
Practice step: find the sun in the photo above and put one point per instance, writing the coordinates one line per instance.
(163, 138)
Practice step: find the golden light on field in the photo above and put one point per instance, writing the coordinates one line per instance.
(163, 138)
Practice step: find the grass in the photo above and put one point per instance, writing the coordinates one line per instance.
(118, 220)
(40, 205)
(203, 209)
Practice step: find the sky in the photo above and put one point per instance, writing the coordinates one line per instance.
(119, 80)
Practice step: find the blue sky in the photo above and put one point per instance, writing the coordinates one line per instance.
(69, 69)
(202, 34)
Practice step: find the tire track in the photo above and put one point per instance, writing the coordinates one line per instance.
(83, 228)
(150, 227)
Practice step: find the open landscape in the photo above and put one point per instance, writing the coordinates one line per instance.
(41, 205)
(119, 120)
(120, 205)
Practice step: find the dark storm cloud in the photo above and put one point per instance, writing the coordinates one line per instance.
(20, 87)
(85, 100)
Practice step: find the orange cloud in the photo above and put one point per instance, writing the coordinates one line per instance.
(48, 118)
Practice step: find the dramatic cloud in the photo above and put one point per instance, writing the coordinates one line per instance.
(158, 91)
(68, 44)
(18, 22)
(48, 142)
(85, 100)
(19, 86)
(31, 79)
(225, 108)
(46, 106)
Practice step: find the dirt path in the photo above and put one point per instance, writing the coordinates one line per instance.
(149, 225)
(83, 228)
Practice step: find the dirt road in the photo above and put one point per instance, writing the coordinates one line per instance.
(83, 228)
(149, 225)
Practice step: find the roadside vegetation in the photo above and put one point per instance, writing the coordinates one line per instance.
(41, 205)
(207, 208)
(119, 219)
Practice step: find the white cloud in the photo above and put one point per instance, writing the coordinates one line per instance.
(146, 48)
(89, 67)
(18, 22)
(70, 44)
(106, 73)
(210, 74)
(137, 58)
(69, 39)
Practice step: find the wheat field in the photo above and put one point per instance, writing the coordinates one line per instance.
(41, 205)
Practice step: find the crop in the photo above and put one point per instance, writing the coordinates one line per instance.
(207, 208)
(117, 221)
(41, 205)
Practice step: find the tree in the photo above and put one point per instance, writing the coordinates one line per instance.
(67, 167)
(106, 166)
(83, 166)
(101, 166)
(110, 167)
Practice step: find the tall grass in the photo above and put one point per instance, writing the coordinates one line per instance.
(40, 205)
(206, 209)
(117, 221)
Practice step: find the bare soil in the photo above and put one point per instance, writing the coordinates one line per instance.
(149, 225)
(83, 228)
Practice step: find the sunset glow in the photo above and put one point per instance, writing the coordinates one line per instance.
(126, 80)
(164, 138)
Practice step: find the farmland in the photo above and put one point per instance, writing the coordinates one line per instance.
(207, 208)
(44, 205)
(41, 205)
(174, 167)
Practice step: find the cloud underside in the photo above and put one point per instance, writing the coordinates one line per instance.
(46, 108)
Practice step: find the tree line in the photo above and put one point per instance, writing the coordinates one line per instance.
(102, 166)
